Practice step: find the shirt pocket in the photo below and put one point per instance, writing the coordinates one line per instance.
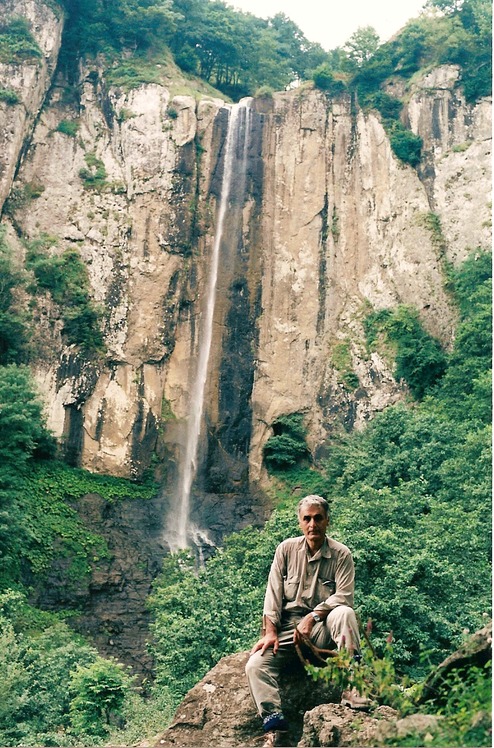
(290, 587)
(325, 587)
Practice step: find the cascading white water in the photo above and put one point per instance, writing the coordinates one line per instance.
(234, 173)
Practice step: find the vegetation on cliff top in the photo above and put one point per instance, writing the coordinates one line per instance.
(237, 52)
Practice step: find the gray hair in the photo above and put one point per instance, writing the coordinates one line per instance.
(313, 500)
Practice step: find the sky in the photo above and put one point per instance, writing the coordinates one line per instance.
(332, 22)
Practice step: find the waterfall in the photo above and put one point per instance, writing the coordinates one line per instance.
(179, 533)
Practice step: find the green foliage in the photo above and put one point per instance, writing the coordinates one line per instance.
(143, 718)
(9, 96)
(17, 44)
(38, 523)
(405, 144)
(55, 530)
(98, 693)
(19, 197)
(342, 361)
(287, 446)
(466, 386)
(14, 320)
(432, 222)
(327, 80)
(41, 690)
(361, 46)
(68, 127)
(464, 705)
(374, 677)
(419, 358)
(65, 277)
(22, 434)
(94, 177)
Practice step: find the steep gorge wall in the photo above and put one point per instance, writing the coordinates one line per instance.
(333, 225)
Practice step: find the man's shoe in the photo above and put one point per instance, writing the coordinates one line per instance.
(275, 738)
(355, 700)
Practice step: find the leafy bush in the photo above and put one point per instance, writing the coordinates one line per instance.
(287, 446)
(65, 277)
(464, 705)
(405, 144)
(99, 692)
(325, 79)
(94, 177)
(9, 96)
(419, 358)
(17, 43)
(14, 320)
(342, 361)
(68, 127)
(51, 679)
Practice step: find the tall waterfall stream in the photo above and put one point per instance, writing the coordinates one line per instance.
(179, 531)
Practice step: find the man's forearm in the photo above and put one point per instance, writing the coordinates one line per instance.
(269, 627)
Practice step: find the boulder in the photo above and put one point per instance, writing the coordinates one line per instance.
(336, 725)
(219, 709)
(475, 652)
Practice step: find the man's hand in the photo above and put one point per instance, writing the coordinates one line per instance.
(304, 628)
(268, 640)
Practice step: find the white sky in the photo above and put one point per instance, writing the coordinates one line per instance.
(332, 22)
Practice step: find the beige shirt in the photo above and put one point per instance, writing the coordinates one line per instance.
(299, 583)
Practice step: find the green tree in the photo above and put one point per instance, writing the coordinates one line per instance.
(14, 335)
(287, 446)
(362, 45)
(22, 434)
(98, 692)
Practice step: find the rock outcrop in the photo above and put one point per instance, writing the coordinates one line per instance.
(218, 710)
(29, 80)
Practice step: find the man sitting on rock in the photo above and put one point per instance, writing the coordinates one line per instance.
(309, 594)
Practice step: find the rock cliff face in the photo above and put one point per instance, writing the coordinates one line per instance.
(332, 224)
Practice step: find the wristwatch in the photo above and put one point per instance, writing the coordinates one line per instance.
(316, 618)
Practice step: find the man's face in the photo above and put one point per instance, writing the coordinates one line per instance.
(313, 523)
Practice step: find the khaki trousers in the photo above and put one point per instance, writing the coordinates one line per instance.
(263, 671)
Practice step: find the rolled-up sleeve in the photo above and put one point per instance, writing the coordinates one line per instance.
(344, 584)
(273, 599)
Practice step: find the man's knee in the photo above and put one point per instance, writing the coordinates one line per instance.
(256, 663)
(343, 614)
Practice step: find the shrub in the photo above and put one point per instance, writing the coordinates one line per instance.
(65, 277)
(287, 446)
(419, 358)
(325, 79)
(9, 96)
(68, 127)
(94, 177)
(17, 42)
(342, 361)
(405, 144)
(99, 692)
(14, 321)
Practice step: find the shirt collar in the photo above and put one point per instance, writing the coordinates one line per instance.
(324, 551)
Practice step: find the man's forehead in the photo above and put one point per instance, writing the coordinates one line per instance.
(312, 511)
